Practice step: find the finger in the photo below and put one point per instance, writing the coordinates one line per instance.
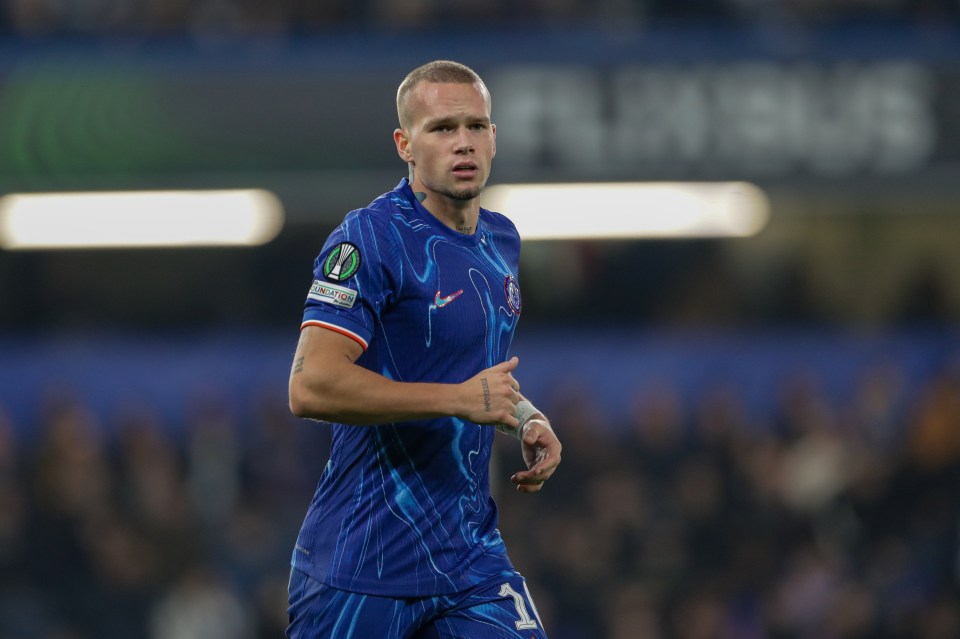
(531, 434)
(546, 467)
(536, 475)
(526, 478)
(539, 472)
(510, 421)
(526, 481)
(526, 485)
(537, 431)
(544, 463)
(508, 365)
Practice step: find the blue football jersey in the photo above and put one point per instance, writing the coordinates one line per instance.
(404, 509)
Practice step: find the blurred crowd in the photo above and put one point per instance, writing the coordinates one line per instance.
(685, 520)
(125, 528)
(705, 521)
(244, 17)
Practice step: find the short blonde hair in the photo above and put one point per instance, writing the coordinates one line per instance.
(438, 71)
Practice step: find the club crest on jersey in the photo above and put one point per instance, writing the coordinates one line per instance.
(342, 262)
(512, 290)
(332, 294)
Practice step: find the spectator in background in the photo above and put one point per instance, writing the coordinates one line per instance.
(99, 540)
(238, 18)
(200, 606)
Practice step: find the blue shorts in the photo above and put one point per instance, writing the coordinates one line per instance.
(498, 609)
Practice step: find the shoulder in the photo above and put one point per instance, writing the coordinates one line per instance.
(499, 223)
(378, 210)
(375, 231)
(374, 217)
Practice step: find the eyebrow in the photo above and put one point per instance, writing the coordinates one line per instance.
(454, 119)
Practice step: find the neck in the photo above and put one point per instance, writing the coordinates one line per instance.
(462, 219)
(459, 215)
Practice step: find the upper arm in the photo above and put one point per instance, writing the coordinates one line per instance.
(320, 352)
(322, 347)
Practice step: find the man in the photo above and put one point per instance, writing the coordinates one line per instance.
(404, 349)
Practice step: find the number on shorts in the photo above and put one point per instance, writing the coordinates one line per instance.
(525, 622)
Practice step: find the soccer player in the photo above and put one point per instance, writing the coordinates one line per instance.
(404, 349)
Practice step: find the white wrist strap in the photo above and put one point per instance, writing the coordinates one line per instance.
(525, 410)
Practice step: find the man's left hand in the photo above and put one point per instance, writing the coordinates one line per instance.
(541, 452)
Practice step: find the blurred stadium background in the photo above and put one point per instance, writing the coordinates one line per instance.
(762, 435)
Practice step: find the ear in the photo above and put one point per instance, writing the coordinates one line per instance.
(402, 140)
(493, 131)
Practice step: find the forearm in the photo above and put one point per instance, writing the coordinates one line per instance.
(327, 384)
(351, 394)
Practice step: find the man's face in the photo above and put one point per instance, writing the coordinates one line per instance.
(449, 139)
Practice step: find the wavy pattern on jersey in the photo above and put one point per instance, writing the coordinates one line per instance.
(410, 501)
(404, 493)
(430, 271)
(473, 465)
(406, 509)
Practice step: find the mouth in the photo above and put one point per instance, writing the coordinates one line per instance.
(465, 169)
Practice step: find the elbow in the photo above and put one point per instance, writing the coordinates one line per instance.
(300, 402)
(306, 403)
(297, 406)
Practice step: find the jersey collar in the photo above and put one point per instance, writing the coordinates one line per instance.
(406, 191)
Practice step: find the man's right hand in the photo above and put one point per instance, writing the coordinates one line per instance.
(491, 396)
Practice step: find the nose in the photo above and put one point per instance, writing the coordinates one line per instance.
(464, 143)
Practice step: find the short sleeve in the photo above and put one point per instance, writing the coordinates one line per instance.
(351, 279)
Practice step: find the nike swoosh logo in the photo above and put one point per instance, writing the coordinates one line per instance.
(440, 302)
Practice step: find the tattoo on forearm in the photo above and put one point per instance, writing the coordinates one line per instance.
(298, 365)
(486, 394)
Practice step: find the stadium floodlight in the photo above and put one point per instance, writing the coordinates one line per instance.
(623, 210)
(139, 219)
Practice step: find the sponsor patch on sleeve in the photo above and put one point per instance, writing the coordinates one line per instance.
(332, 294)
